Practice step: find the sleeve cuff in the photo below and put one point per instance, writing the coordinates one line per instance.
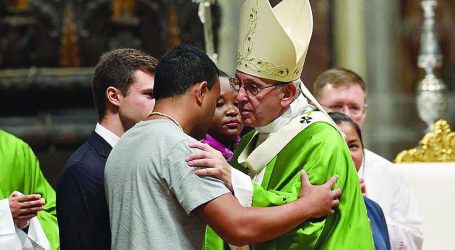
(27, 224)
(6, 219)
(243, 187)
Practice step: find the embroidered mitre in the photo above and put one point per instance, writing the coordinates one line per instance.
(273, 42)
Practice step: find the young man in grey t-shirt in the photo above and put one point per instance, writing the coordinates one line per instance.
(157, 202)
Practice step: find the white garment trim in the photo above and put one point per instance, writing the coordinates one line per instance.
(6, 219)
(12, 237)
(243, 188)
(36, 234)
(259, 177)
(296, 108)
(257, 158)
(106, 134)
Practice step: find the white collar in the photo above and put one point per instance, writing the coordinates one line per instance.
(106, 134)
(296, 108)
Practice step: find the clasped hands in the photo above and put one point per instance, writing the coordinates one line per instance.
(24, 207)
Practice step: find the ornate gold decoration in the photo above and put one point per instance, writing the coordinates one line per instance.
(436, 146)
(254, 63)
(123, 10)
(69, 50)
(173, 38)
(17, 5)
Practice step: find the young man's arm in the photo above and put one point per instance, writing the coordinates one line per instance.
(210, 162)
(240, 225)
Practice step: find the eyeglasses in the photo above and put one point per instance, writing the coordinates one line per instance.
(354, 110)
(251, 89)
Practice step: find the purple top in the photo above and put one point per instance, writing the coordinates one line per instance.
(227, 152)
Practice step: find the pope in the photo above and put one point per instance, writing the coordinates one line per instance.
(290, 135)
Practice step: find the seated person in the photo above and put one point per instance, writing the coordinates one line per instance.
(27, 201)
(353, 137)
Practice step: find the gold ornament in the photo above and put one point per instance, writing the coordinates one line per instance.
(69, 44)
(123, 10)
(436, 146)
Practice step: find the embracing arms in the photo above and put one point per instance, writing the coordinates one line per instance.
(239, 225)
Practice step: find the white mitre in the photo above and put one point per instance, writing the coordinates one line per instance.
(273, 42)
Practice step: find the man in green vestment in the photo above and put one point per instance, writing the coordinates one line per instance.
(289, 134)
(27, 201)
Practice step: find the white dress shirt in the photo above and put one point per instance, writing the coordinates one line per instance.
(106, 134)
(385, 186)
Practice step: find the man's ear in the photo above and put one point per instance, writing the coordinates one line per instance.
(289, 93)
(113, 96)
(201, 90)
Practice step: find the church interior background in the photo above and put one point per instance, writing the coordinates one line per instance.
(48, 49)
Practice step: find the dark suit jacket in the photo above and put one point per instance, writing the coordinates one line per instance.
(82, 212)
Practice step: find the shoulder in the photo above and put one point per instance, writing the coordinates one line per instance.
(321, 128)
(82, 170)
(372, 205)
(150, 133)
(84, 163)
(380, 165)
(179, 148)
(84, 155)
(9, 138)
(320, 133)
(376, 159)
(11, 142)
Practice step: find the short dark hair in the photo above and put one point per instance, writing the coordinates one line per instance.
(181, 68)
(338, 118)
(116, 68)
(338, 77)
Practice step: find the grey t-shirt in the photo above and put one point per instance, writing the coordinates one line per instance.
(151, 190)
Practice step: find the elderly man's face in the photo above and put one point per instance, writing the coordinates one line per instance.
(264, 107)
(346, 99)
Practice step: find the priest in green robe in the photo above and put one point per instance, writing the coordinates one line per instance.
(290, 135)
(22, 182)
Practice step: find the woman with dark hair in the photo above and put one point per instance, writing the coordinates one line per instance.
(224, 135)
(224, 132)
(353, 137)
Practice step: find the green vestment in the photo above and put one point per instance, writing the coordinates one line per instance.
(321, 151)
(20, 171)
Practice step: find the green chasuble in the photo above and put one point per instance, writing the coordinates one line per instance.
(20, 171)
(322, 152)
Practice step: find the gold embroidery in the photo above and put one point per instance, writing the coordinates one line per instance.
(258, 65)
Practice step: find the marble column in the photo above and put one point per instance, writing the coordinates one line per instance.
(228, 34)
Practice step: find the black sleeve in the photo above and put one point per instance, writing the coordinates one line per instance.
(82, 212)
